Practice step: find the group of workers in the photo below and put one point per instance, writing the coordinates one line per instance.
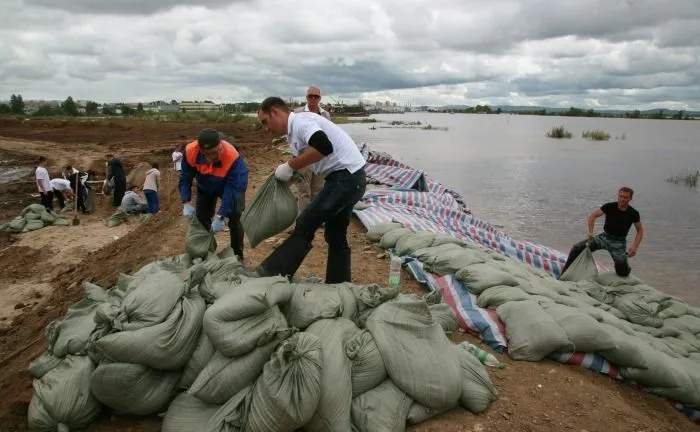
(333, 181)
(72, 184)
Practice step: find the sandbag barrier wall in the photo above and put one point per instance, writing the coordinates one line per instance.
(217, 348)
(624, 311)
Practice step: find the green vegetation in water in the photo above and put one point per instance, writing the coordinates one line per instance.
(413, 125)
(687, 179)
(595, 135)
(559, 132)
(345, 120)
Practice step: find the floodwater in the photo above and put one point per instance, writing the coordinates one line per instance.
(9, 174)
(542, 190)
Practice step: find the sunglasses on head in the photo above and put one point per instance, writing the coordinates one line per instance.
(313, 96)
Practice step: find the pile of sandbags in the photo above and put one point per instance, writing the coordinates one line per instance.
(216, 348)
(119, 217)
(653, 338)
(34, 217)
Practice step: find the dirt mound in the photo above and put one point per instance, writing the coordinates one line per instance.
(137, 175)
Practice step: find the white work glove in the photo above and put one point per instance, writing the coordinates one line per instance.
(188, 210)
(217, 225)
(284, 172)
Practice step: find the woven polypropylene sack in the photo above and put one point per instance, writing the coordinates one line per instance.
(417, 355)
(311, 302)
(186, 413)
(390, 238)
(477, 389)
(409, 244)
(587, 334)
(582, 269)
(250, 298)
(382, 409)
(287, 394)
(62, 400)
(200, 242)
(201, 355)
(443, 314)
(368, 369)
(149, 299)
(481, 276)
(375, 232)
(272, 210)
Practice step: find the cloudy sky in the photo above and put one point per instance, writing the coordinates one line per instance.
(589, 53)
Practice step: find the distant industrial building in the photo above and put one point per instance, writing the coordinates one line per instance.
(199, 106)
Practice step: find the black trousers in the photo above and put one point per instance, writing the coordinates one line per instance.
(333, 206)
(205, 208)
(119, 191)
(60, 198)
(47, 200)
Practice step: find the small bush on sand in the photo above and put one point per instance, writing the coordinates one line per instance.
(559, 132)
(596, 135)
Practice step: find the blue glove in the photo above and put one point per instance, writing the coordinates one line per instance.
(188, 211)
(217, 225)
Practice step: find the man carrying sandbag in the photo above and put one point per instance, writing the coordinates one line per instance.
(221, 173)
(317, 142)
(619, 218)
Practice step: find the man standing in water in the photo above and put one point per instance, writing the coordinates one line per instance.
(619, 218)
(317, 142)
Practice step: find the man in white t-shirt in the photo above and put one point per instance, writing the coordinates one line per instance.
(317, 142)
(177, 158)
(61, 190)
(43, 183)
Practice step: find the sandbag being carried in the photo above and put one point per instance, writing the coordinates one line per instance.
(130, 388)
(333, 413)
(367, 369)
(583, 268)
(532, 334)
(62, 400)
(200, 241)
(272, 210)
(382, 409)
(287, 394)
(417, 355)
(477, 389)
(186, 413)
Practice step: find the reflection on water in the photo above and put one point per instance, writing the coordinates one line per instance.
(543, 189)
(10, 174)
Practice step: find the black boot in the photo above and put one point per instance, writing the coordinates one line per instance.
(286, 259)
(338, 267)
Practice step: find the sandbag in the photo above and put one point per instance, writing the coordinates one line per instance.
(252, 297)
(235, 338)
(33, 216)
(200, 241)
(411, 243)
(583, 268)
(638, 310)
(375, 232)
(428, 255)
(43, 364)
(587, 334)
(498, 295)
(272, 210)
(442, 239)
(367, 370)
(223, 377)
(17, 224)
(382, 409)
(311, 302)
(231, 416)
(168, 345)
(673, 308)
(453, 261)
(33, 224)
(627, 351)
(186, 413)
(390, 238)
(47, 218)
(130, 388)
(366, 299)
(117, 218)
(287, 394)
(532, 334)
(611, 279)
(333, 412)
(444, 315)
(62, 400)
(477, 389)
(33, 208)
(418, 414)
(201, 355)
(478, 277)
(417, 355)
(149, 299)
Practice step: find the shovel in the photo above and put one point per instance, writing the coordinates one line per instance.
(76, 221)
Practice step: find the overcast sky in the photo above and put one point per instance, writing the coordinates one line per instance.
(588, 53)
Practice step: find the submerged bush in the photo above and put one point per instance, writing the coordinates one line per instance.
(688, 179)
(596, 135)
(559, 132)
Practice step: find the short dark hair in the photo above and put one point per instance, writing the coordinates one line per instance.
(273, 102)
(68, 167)
(42, 159)
(110, 156)
(154, 165)
(628, 190)
(131, 187)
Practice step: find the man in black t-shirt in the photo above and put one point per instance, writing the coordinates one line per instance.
(619, 218)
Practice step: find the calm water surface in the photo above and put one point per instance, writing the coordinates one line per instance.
(543, 189)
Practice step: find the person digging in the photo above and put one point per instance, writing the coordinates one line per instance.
(317, 142)
(619, 218)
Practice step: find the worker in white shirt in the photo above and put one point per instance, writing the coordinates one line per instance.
(311, 183)
(317, 142)
(43, 183)
(61, 191)
(177, 158)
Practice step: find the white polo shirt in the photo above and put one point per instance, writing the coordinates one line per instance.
(60, 184)
(346, 155)
(42, 177)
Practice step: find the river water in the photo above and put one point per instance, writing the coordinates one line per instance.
(542, 189)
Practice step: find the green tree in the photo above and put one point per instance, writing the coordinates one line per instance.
(126, 110)
(69, 107)
(139, 108)
(636, 114)
(108, 110)
(5, 109)
(47, 110)
(91, 108)
(17, 104)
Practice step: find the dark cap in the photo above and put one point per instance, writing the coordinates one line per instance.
(208, 138)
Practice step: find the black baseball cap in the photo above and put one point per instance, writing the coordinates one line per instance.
(208, 138)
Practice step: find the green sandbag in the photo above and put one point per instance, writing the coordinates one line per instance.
(149, 299)
(375, 232)
(478, 277)
(443, 314)
(382, 409)
(272, 210)
(61, 221)
(47, 217)
(117, 218)
(448, 260)
(368, 369)
(200, 242)
(419, 413)
(583, 268)
(43, 364)
(62, 400)
(186, 413)
(200, 357)
(587, 334)
(532, 334)
(311, 302)
(390, 238)
(639, 310)
(411, 243)
(495, 296)
(33, 224)
(442, 239)
(477, 389)
(17, 224)
(288, 392)
(33, 208)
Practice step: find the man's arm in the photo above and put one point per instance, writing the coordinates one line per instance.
(319, 147)
(591, 219)
(187, 174)
(637, 239)
(236, 182)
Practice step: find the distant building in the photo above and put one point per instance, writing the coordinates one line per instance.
(199, 106)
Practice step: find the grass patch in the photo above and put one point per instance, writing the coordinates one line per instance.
(688, 179)
(596, 135)
(345, 120)
(206, 117)
(559, 132)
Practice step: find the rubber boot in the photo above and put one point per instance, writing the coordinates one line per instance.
(286, 259)
(338, 267)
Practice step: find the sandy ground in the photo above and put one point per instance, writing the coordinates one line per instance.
(41, 275)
